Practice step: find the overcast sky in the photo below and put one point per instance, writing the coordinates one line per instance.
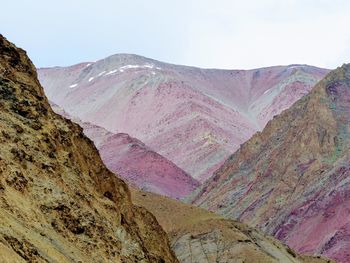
(233, 34)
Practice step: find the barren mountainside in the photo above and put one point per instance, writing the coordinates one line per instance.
(193, 117)
(136, 163)
(292, 180)
(58, 202)
(197, 235)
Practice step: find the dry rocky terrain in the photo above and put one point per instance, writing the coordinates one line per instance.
(58, 202)
(199, 236)
(292, 180)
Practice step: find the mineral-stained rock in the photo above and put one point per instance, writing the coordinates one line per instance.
(200, 236)
(135, 162)
(194, 117)
(58, 202)
(142, 167)
(292, 179)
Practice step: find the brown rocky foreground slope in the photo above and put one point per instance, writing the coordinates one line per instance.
(58, 202)
(199, 236)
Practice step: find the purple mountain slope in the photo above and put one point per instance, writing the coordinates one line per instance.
(194, 117)
(139, 165)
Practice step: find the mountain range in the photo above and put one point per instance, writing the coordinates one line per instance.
(288, 176)
(59, 202)
(193, 117)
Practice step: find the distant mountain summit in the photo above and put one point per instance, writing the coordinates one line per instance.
(293, 179)
(194, 117)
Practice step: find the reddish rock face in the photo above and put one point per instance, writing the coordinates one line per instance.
(144, 168)
(139, 165)
(194, 117)
(292, 179)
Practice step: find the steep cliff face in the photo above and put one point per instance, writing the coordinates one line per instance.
(292, 179)
(194, 117)
(58, 202)
(197, 235)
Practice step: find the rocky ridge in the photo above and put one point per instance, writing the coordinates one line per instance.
(292, 179)
(59, 203)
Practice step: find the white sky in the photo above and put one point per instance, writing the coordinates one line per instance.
(206, 33)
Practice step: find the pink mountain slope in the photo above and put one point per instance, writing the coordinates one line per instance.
(292, 180)
(194, 117)
(137, 163)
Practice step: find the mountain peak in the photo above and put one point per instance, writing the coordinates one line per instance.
(194, 117)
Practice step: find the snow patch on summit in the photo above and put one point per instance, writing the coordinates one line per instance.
(101, 73)
(266, 91)
(111, 72)
(151, 66)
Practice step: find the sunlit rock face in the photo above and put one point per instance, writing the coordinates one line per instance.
(292, 179)
(58, 201)
(193, 117)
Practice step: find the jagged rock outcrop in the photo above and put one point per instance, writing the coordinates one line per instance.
(194, 117)
(293, 179)
(198, 236)
(58, 202)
